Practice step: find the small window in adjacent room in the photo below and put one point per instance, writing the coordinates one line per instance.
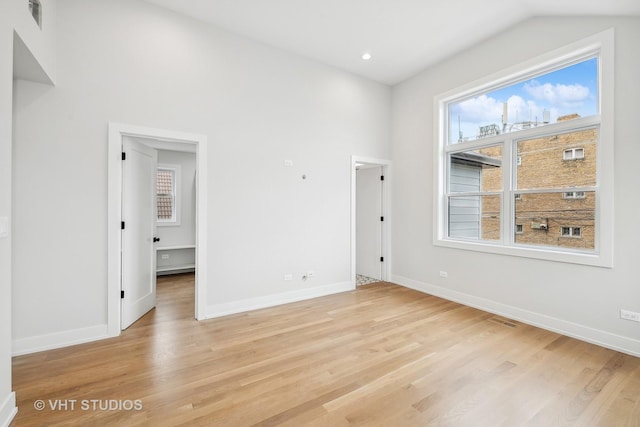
(35, 9)
(167, 197)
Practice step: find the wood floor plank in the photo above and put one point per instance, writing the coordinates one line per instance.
(382, 355)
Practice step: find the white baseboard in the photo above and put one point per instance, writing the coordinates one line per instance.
(595, 336)
(59, 339)
(224, 309)
(8, 410)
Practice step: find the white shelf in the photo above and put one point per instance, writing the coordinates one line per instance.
(173, 248)
(179, 258)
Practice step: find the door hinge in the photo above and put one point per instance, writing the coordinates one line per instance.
(121, 294)
(381, 218)
(381, 259)
(121, 225)
(124, 156)
(381, 177)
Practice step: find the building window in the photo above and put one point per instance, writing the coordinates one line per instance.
(573, 154)
(486, 192)
(571, 231)
(167, 195)
(574, 195)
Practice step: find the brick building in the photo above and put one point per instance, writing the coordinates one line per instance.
(548, 211)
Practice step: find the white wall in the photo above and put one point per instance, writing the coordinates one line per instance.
(130, 62)
(185, 233)
(14, 17)
(7, 398)
(578, 300)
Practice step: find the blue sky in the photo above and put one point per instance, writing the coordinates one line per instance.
(573, 89)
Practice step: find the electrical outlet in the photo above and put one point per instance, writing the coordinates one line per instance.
(444, 274)
(310, 274)
(629, 315)
(288, 277)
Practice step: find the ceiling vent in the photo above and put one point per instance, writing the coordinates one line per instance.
(35, 9)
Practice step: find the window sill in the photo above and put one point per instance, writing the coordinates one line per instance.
(548, 254)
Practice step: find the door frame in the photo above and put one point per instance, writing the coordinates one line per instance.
(386, 213)
(114, 214)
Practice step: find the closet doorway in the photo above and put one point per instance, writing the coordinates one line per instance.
(370, 258)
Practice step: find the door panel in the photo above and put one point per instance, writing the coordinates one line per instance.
(138, 246)
(368, 224)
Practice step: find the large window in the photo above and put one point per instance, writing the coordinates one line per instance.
(524, 162)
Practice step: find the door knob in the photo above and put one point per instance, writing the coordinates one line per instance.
(156, 239)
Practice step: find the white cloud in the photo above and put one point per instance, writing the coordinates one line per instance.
(479, 109)
(525, 110)
(528, 106)
(558, 94)
(484, 110)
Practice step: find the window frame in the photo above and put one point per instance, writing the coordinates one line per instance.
(600, 45)
(177, 173)
(573, 152)
(573, 195)
(571, 230)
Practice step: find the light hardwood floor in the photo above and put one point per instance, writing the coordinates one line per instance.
(381, 356)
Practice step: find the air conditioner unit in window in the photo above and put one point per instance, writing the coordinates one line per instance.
(538, 226)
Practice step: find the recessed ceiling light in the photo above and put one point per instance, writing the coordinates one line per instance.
(366, 56)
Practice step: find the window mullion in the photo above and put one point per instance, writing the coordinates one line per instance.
(508, 162)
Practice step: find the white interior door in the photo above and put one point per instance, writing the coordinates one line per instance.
(138, 236)
(368, 222)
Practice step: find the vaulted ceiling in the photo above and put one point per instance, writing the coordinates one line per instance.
(402, 36)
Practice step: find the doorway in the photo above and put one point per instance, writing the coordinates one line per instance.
(370, 220)
(157, 139)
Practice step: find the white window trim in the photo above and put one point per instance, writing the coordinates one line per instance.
(601, 44)
(177, 174)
